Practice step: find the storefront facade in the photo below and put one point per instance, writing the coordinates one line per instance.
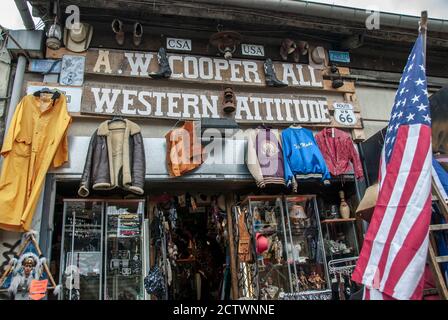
(117, 82)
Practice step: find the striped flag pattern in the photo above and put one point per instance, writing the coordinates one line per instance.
(394, 253)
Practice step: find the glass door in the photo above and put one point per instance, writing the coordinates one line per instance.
(82, 246)
(123, 267)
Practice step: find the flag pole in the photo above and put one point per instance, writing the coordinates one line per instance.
(423, 30)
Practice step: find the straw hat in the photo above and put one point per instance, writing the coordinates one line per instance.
(368, 202)
(78, 40)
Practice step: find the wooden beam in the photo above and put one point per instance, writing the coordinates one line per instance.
(232, 251)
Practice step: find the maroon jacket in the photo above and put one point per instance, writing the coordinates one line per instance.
(338, 151)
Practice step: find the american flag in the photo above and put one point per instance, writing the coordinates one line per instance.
(394, 253)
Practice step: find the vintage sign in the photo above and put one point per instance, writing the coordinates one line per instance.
(73, 94)
(339, 56)
(180, 103)
(44, 66)
(178, 44)
(200, 69)
(252, 50)
(344, 113)
(72, 70)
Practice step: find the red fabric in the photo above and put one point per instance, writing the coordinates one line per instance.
(338, 152)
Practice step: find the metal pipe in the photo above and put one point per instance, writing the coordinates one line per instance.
(25, 14)
(16, 90)
(331, 11)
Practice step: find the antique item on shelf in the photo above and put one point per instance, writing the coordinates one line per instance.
(257, 220)
(262, 243)
(301, 50)
(138, 34)
(164, 66)
(304, 285)
(78, 39)
(336, 78)
(228, 100)
(339, 152)
(184, 150)
(124, 168)
(298, 217)
(72, 70)
(344, 209)
(54, 35)
(117, 28)
(302, 156)
(270, 291)
(288, 47)
(35, 140)
(277, 247)
(244, 248)
(334, 212)
(264, 157)
(271, 77)
(269, 216)
(316, 281)
(226, 42)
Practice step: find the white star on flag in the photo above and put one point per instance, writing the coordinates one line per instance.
(410, 67)
(419, 82)
(422, 67)
(415, 99)
(422, 107)
(405, 79)
(427, 118)
(400, 115)
(425, 91)
(410, 116)
(402, 91)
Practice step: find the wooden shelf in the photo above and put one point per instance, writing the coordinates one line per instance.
(337, 220)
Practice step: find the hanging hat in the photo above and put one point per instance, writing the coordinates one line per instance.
(78, 40)
(368, 202)
(262, 243)
(318, 55)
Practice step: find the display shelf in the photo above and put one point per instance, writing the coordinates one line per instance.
(337, 220)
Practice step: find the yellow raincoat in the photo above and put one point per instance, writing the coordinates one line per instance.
(35, 140)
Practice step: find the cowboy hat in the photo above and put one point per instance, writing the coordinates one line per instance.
(368, 202)
(78, 40)
(318, 55)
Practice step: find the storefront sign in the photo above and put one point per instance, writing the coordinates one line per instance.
(171, 103)
(199, 69)
(252, 50)
(73, 94)
(343, 113)
(178, 44)
(44, 66)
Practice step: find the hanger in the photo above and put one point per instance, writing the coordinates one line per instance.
(116, 118)
(296, 125)
(56, 94)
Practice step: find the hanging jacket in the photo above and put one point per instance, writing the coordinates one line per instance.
(184, 151)
(302, 157)
(265, 157)
(34, 141)
(115, 158)
(338, 151)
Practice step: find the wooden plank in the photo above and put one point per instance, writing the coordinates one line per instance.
(442, 259)
(232, 249)
(58, 54)
(337, 220)
(438, 227)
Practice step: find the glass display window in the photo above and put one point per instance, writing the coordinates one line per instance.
(102, 247)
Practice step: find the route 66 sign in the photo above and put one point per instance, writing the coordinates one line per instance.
(344, 114)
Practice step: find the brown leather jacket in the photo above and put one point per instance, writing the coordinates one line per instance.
(116, 158)
(184, 149)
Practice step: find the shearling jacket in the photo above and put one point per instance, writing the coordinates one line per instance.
(115, 159)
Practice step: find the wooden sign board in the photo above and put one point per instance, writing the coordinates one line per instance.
(192, 68)
(73, 94)
(182, 103)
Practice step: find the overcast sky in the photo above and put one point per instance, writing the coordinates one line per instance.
(10, 18)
